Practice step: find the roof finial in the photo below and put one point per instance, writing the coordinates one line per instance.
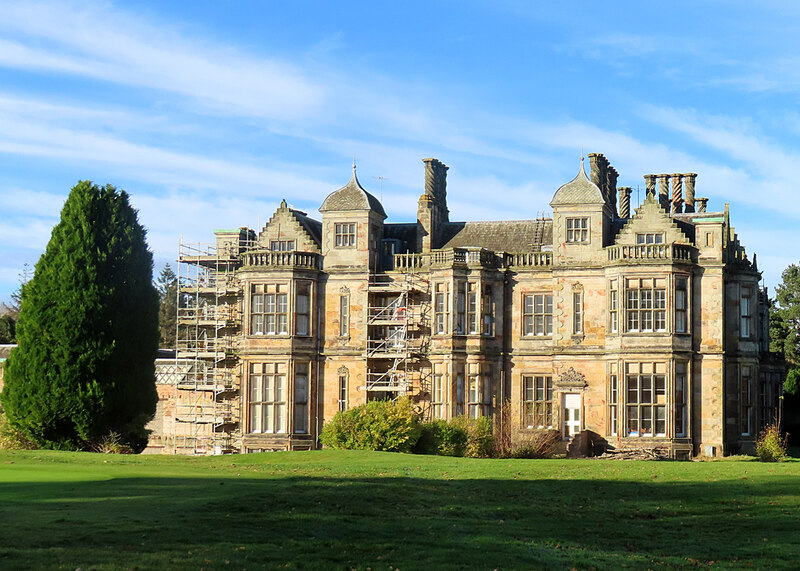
(354, 163)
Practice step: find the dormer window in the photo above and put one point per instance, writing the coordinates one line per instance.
(345, 234)
(650, 238)
(577, 230)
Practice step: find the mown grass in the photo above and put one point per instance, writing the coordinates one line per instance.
(371, 511)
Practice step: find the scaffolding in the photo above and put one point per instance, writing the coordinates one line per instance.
(209, 320)
(398, 335)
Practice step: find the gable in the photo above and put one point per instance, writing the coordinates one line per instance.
(650, 218)
(288, 224)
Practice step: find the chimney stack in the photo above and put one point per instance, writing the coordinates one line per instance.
(663, 191)
(690, 179)
(677, 193)
(436, 187)
(594, 169)
(650, 184)
(624, 201)
(611, 197)
(701, 204)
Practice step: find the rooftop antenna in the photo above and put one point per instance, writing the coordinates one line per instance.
(381, 178)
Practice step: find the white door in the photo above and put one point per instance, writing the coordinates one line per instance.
(572, 414)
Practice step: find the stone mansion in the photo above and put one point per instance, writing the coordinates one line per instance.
(647, 327)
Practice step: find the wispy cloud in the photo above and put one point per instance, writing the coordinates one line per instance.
(102, 42)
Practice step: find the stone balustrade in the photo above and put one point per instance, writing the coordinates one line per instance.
(651, 252)
(272, 260)
(522, 260)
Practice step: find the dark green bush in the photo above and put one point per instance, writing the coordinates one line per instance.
(389, 426)
(441, 438)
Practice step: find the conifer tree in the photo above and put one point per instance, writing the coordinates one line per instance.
(167, 286)
(87, 329)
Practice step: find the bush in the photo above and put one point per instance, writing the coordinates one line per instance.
(536, 444)
(13, 439)
(480, 440)
(442, 438)
(389, 426)
(111, 443)
(771, 446)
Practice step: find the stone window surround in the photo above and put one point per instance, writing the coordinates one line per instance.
(577, 230)
(345, 234)
(537, 314)
(537, 401)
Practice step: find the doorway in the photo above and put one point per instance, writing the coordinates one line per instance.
(571, 407)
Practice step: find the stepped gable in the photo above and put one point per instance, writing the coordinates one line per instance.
(580, 190)
(352, 196)
(297, 220)
(502, 236)
(650, 216)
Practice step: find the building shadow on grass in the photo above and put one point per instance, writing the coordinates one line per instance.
(402, 522)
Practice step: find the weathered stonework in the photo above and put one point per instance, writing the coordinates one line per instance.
(643, 326)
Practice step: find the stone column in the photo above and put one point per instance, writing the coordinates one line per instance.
(663, 191)
(677, 193)
(624, 201)
(650, 184)
(689, 200)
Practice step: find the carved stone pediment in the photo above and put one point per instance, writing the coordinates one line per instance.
(571, 379)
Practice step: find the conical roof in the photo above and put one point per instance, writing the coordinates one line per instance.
(580, 190)
(352, 196)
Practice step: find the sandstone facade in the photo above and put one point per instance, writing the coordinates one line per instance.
(647, 327)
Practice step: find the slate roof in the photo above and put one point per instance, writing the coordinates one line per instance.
(406, 231)
(313, 227)
(352, 196)
(501, 236)
(580, 190)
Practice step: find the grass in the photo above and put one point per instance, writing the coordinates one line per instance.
(371, 511)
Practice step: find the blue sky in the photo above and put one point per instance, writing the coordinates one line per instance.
(208, 113)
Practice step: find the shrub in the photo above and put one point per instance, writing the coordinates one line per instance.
(480, 441)
(771, 446)
(12, 438)
(111, 443)
(389, 426)
(442, 438)
(536, 444)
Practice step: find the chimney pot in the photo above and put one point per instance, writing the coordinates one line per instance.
(663, 191)
(624, 201)
(677, 193)
(650, 184)
(689, 200)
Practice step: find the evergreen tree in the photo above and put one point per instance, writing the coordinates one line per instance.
(786, 328)
(784, 331)
(167, 286)
(87, 329)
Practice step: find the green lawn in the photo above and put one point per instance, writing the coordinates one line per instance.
(371, 511)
